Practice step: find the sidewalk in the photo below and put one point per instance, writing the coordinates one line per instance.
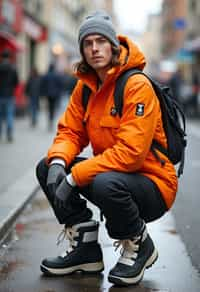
(18, 183)
(174, 264)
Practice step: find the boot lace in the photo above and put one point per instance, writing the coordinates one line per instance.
(68, 233)
(129, 250)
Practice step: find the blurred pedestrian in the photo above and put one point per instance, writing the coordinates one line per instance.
(69, 82)
(8, 83)
(32, 90)
(191, 105)
(195, 90)
(130, 185)
(52, 88)
(175, 82)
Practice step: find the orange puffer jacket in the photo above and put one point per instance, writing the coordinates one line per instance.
(119, 144)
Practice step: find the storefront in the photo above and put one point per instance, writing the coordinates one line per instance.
(35, 33)
(11, 15)
(8, 41)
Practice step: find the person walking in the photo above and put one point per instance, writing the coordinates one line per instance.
(175, 82)
(32, 89)
(123, 178)
(52, 88)
(191, 106)
(8, 83)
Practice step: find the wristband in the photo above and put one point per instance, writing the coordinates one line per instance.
(70, 180)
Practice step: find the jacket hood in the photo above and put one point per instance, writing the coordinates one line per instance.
(130, 57)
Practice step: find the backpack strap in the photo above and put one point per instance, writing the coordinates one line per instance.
(86, 91)
(119, 88)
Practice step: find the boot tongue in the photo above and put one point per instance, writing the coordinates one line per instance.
(129, 252)
(72, 237)
(64, 254)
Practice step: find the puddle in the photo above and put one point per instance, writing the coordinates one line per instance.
(8, 267)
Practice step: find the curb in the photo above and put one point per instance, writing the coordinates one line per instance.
(14, 200)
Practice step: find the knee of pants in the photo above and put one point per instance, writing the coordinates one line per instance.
(42, 171)
(105, 187)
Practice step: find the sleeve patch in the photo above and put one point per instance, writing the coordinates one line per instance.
(139, 109)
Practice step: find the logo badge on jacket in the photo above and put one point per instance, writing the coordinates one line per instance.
(113, 111)
(139, 109)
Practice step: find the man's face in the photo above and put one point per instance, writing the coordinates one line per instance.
(97, 51)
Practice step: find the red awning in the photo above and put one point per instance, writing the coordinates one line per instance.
(35, 30)
(9, 41)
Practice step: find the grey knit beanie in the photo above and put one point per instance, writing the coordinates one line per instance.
(98, 22)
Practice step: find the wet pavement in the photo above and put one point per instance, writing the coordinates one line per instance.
(34, 237)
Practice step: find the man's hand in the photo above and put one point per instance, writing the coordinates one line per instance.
(55, 175)
(63, 193)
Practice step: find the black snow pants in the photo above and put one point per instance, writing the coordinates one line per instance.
(125, 199)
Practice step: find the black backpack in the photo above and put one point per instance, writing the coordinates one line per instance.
(172, 116)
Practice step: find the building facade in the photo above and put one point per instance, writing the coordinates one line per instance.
(151, 43)
(174, 26)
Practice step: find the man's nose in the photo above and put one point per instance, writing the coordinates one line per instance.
(94, 46)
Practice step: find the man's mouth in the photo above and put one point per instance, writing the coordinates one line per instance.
(97, 58)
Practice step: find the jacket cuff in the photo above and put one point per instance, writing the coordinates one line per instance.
(71, 180)
(58, 161)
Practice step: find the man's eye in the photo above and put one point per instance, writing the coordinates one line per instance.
(103, 40)
(86, 44)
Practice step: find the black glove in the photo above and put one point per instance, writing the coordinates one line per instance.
(55, 175)
(63, 193)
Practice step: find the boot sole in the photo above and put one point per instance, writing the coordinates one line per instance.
(122, 281)
(85, 268)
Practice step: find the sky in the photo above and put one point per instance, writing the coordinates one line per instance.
(132, 14)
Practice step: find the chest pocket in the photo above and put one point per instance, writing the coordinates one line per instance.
(110, 123)
(103, 130)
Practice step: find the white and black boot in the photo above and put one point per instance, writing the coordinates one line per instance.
(84, 253)
(137, 254)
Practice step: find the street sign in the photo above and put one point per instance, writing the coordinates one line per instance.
(179, 23)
